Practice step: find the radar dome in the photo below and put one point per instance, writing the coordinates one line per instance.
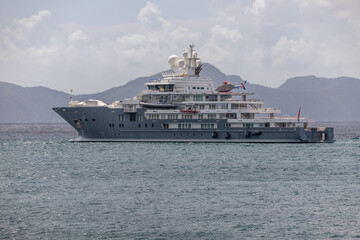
(185, 54)
(173, 61)
(181, 63)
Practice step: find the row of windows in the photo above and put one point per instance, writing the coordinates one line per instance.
(156, 116)
(212, 116)
(214, 106)
(189, 126)
(145, 125)
(172, 116)
(86, 120)
(133, 117)
(197, 88)
(121, 125)
(238, 106)
(184, 116)
(180, 125)
(197, 98)
(184, 125)
(207, 97)
(207, 125)
(140, 117)
(113, 125)
(162, 87)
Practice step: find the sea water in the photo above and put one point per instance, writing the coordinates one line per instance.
(51, 188)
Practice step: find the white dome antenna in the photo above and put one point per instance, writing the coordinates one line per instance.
(181, 63)
(173, 61)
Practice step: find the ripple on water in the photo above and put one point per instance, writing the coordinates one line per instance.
(51, 188)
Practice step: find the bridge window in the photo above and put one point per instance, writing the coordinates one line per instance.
(211, 98)
(212, 116)
(230, 115)
(162, 87)
(197, 98)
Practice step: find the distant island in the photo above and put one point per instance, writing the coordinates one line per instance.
(324, 99)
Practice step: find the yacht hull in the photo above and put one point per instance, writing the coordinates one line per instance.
(102, 124)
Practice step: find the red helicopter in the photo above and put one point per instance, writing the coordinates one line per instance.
(227, 87)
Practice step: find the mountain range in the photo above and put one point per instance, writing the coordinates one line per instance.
(324, 99)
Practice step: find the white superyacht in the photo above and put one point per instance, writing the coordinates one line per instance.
(184, 106)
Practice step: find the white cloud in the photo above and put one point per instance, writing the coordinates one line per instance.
(5, 41)
(150, 16)
(346, 9)
(225, 18)
(285, 50)
(62, 62)
(256, 8)
(77, 36)
(263, 41)
(183, 35)
(31, 22)
(339, 57)
(24, 25)
(148, 12)
(232, 35)
(215, 53)
(133, 40)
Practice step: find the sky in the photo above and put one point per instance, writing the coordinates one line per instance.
(90, 46)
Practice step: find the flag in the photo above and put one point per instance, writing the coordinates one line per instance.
(299, 114)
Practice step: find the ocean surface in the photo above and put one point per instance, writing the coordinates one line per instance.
(51, 188)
